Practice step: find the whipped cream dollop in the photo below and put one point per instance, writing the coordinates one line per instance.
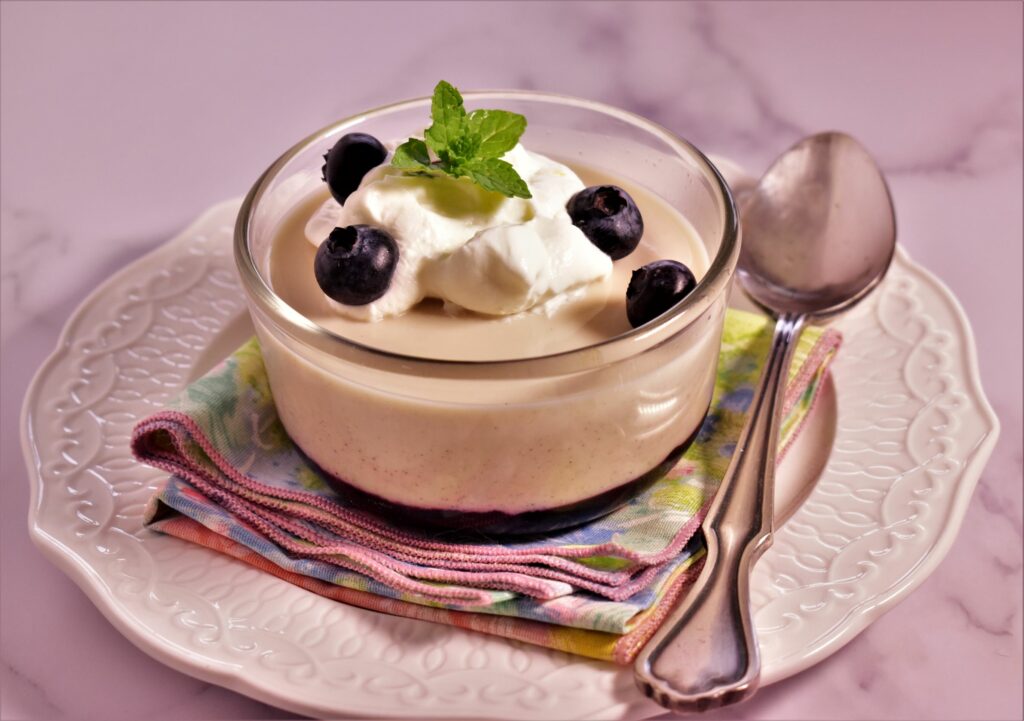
(468, 246)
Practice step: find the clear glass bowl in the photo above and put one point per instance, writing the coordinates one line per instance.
(521, 445)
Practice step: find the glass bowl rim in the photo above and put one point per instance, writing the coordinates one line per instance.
(713, 282)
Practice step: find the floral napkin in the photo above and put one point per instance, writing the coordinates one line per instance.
(240, 486)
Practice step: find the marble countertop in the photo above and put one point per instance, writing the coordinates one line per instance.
(122, 122)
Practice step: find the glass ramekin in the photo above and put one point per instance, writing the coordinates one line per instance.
(522, 445)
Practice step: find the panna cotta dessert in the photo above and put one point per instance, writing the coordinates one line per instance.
(510, 332)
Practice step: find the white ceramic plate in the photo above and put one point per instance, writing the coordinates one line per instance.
(911, 432)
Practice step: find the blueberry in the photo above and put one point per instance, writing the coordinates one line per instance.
(355, 264)
(655, 288)
(352, 157)
(608, 217)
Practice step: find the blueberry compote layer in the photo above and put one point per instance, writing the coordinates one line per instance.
(483, 525)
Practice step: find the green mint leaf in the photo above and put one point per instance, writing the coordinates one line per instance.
(466, 146)
(412, 154)
(496, 175)
(499, 131)
(453, 167)
(449, 118)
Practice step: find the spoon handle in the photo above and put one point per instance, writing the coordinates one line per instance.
(705, 655)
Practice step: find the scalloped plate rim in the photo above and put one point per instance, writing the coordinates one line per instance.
(867, 613)
(230, 675)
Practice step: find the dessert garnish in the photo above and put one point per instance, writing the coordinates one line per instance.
(352, 157)
(608, 216)
(355, 264)
(466, 145)
(655, 288)
(463, 224)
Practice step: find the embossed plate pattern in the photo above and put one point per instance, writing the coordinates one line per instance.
(912, 434)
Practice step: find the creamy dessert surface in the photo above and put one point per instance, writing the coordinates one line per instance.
(430, 329)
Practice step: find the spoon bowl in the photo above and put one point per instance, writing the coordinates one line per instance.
(819, 233)
(818, 230)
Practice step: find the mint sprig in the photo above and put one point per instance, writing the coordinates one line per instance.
(412, 155)
(468, 145)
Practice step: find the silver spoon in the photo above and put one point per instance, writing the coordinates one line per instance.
(819, 233)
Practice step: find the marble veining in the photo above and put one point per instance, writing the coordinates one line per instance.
(997, 504)
(1003, 628)
(117, 166)
(14, 681)
(989, 142)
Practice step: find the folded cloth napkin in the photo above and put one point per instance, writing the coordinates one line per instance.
(240, 486)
